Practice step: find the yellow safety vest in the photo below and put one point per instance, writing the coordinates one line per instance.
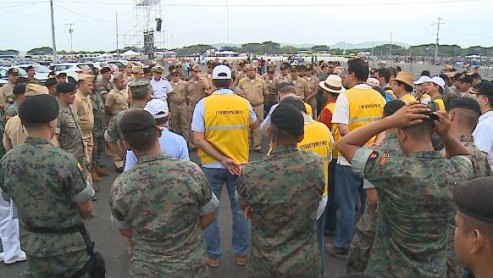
(440, 103)
(365, 107)
(317, 140)
(227, 121)
(407, 98)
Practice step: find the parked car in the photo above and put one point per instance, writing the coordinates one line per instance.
(41, 71)
(4, 77)
(119, 63)
(71, 69)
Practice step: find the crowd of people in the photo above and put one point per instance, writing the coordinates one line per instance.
(408, 159)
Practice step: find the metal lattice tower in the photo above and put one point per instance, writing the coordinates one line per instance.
(146, 15)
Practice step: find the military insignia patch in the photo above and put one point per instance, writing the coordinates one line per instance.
(80, 167)
(384, 159)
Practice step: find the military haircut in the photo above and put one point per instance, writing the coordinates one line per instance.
(466, 117)
(287, 87)
(422, 131)
(19, 89)
(471, 223)
(385, 73)
(162, 121)
(392, 106)
(140, 92)
(296, 102)
(359, 68)
(20, 80)
(222, 83)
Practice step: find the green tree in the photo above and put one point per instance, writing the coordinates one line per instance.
(318, 48)
(45, 50)
(194, 49)
(9, 52)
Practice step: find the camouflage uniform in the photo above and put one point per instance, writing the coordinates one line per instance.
(168, 239)
(364, 235)
(56, 180)
(105, 85)
(2, 130)
(98, 129)
(283, 190)
(70, 136)
(412, 218)
(114, 125)
(481, 169)
(12, 110)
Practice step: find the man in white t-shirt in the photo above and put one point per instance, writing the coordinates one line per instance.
(483, 134)
(358, 106)
(160, 86)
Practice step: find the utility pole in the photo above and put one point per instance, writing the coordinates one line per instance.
(438, 23)
(117, 46)
(70, 31)
(53, 44)
(227, 22)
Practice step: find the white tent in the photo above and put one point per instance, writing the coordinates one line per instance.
(130, 53)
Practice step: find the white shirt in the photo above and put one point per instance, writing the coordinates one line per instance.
(483, 135)
(341, 116)
(161, 88)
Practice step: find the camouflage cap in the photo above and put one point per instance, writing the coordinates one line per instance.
(139, 88)
(157, 69)
(13, 71)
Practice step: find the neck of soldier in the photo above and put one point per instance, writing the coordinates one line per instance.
(154, 150)
(459, 130)
(43, 132)
(283, 143)
(139, 102)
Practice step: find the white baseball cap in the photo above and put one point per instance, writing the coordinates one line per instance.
(439, 81)
(157, 108)
(422, 79)
(221, 72)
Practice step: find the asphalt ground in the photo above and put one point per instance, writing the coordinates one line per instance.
(113, 246)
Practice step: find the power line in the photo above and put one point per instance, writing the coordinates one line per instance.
(22, 5)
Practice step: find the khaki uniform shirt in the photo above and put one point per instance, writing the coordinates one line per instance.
(281, 79)
(179, 93)
(196, 90)
(302, 87)
(253, 89)
(271, 84)
(117, 101)
(7, 92)
(16, 134)
(105, 85)
(83, 109)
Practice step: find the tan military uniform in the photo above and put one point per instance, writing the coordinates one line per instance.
(302, 87)
(281, 79)
(195, 92)
(272, 97)
(255, 90)
(117, 100)
(178, 109)
(239, 77)
(7, 92)
(210, 88)
(105, 85)
(313, 85)
(83, 109)
(16, 134)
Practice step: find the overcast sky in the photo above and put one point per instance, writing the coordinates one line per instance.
(26, 23)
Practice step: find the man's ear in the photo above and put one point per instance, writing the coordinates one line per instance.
(269, 131)
(300, 138)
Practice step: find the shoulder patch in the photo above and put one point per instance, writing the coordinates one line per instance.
(384, 159)
(80, 167)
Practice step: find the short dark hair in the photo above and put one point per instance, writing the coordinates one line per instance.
(31, 125)
(19, 89)
(20, 80)
(162, 121)
(359, 68)
(385, 73)
(425, 73)
(222, 83)
(296, 102)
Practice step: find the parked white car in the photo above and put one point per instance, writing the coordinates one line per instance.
(71, 69)
(4, 75)
(41, 71)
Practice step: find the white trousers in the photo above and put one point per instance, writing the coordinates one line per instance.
(9, 230)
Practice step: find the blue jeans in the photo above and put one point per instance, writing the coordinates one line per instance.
(347, 188)
(241, 230)
(321, 241)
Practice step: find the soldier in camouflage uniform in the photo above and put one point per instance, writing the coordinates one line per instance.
(105, 85)
(68, 130)
(464, 114)
(63, 199)
(174, 247)
(97, 131)
(141, 94)
(281, 194)
(364, 233)
(412, 218)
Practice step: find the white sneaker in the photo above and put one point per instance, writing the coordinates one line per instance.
(20, 258)
(1, 256)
